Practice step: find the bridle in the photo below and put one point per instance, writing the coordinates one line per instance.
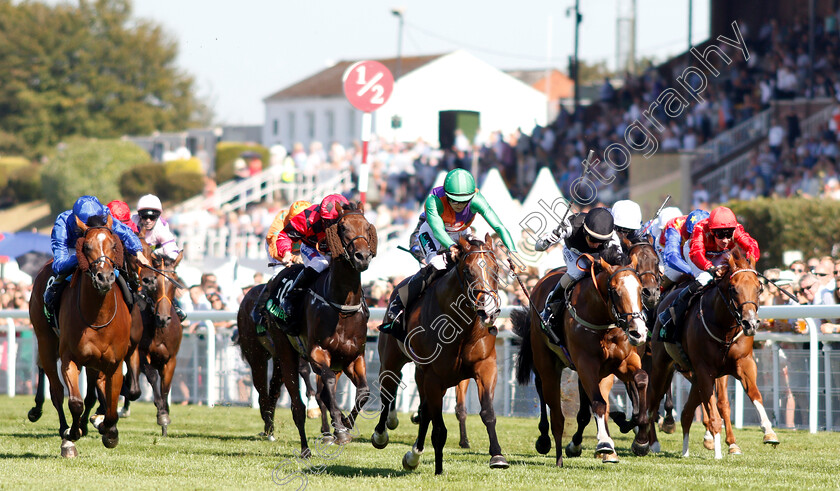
(641, 274)
(90, 272)
(734, 310)
(345, 244)
(103, 258)
(622, 320)
(485, 281)
(162, 272)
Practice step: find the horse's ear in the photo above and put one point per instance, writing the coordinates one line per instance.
(373, 239)
(488, 242)
(463, 242)
(82, 226)
(604, 264)
(109, 222)
(634, 261)
(178, 259)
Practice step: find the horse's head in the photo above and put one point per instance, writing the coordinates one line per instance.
(163, 293)
(478, 271)
(352, 237)
(744, 290)
(648, 270)
(624, 294)
(99, 252)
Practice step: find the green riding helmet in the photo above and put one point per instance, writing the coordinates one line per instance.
(459, 185)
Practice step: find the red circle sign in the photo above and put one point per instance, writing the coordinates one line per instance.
(368, 85)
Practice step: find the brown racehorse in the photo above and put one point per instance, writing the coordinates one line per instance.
(335, 318)
(94, 330)
(162, 332)
(454, 345)
(257, 358)
(601, 326)
(717, 338)
(392, 421)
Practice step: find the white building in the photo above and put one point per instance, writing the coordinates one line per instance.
(433, 96)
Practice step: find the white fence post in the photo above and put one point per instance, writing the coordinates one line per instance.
(11, 357)
(211, 364)
(739, 403)
(814, 375)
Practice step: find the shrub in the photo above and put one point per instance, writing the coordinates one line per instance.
(8, 165)
(88, 167)
(143, 179)
(228, 152)
(25, 183)
(191, 166)
(181, 186)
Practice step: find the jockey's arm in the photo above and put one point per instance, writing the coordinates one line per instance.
(433, 218)
(128, 237)
(747, 243)
(64, 258)
(697, 253)
(482, 207)
(672, 253)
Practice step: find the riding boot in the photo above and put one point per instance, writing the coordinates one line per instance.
(392, 324)
(266, 342)
(288, 313)
(257, 312)
(126, 291)
(55, 285)
(179, 311)
(671, 317)
(411, 290)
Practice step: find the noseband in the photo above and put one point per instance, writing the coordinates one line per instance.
(103, 258)
(735, 311)
(641, 274)
(467, 287)
(621, 320)
(344, 245)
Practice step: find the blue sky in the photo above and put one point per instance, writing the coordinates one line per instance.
(241, 52)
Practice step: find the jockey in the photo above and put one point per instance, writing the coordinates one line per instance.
(627, 217)
(155, 231)
(90, 211)
(672, 242)
(121, 211)
(309, 228)
(590, 233)
(710, 237)
(658, 224)
(281, 221)
(449, 211)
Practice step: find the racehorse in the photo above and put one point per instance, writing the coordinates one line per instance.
(717, 339)
(456, 345)
(601, 325)
(94, 332)
(162, 332)
(392, 421)
(335, 318)
(257, 358)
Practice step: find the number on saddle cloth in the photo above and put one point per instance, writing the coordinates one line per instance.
(280, 286)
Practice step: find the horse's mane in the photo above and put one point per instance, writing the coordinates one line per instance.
(473, 241)
(351, 206)
(615, 256)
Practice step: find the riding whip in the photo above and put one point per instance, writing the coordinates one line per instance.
(644, 231)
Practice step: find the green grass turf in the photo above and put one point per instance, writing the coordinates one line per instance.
(218, 448)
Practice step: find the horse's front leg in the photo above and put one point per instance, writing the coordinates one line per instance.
(485, 379)
(90, 398)
(706, 389)
(461, 412)
(37, 410)
(746, 373)
(165, 384)
(725, 413)
(390, 380)
(357, 373)
(289, 362)
(584, 414)
(111, 389)
(411, 459)
(70, 374)
(321, 362)
(631, 373)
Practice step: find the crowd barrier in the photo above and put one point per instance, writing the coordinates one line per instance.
(211, 371)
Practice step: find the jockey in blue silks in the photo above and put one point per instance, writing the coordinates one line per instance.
(64, 235)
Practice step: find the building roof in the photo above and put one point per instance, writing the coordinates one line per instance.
(562, 86)
(328, 83)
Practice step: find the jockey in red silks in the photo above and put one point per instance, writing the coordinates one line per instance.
(121, 211)
(711, 237)
(308, 227)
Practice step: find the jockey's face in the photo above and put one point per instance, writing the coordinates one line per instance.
(148, 219)
(723, 237)
(458, 206)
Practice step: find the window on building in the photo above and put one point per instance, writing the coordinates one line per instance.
(291, 127)
(310, 124)
(275, 127)
(330, 117)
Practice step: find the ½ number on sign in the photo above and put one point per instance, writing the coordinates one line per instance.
(370, 85)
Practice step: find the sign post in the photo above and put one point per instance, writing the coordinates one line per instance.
(367, 86)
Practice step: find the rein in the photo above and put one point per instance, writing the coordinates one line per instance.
(344, 245)
(621, 320)
(461, 278)
(163, 272)
(89, 272)
(734, 312)
(656, 274)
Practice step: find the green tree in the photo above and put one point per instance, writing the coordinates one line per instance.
(89, 70)
(91, 167)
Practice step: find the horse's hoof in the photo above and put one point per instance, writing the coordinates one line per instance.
(415, 418)
(379, 440)
(111, 438)
(271, 438)
(604, 448)
(734, 449)
(34, 414)
(163, 431)
(771, 439)
(393, 421)
(464, 444)
(84, 430)
(410, 461)
(75, 434)
(709, 443)
(656, 447)
(97, 420)
(327, 439)
(68, 450)
(313, 413)
(125, 412)
(640, 449)
(498, 462)
(163, 419)
(543, 444)
(572, 450)
(343, 437)
(609, 458)
(668, 427)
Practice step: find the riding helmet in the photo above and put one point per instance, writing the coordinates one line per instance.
(459, 185)
(598, 223)
(87, 207)
(627, 214)
(694, 218)
(722, 217)
(331, 205)
(149, 202)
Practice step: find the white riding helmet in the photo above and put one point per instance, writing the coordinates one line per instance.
(149, 202)
(627, 214)
(668, 214)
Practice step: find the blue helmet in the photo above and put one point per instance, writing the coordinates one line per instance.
(694, 218)
(87, 207)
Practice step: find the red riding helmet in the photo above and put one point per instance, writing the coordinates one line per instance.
(120, 210)
(331, 205)
(722, 217)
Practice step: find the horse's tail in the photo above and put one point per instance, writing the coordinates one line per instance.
(521, 320)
